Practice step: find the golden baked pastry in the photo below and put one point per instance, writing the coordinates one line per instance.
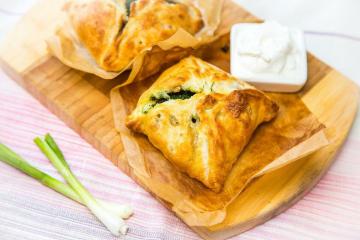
(114, 34)
(200, 118)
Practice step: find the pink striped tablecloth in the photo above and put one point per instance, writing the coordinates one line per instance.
(31, 211)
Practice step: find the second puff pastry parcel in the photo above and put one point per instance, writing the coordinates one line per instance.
(108, 37)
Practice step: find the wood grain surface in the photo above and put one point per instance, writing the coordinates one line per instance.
(82, 101)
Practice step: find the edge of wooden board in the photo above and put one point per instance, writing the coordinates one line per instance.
(238, 228)
(336, 141)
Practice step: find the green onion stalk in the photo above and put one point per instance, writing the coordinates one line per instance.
(123, 211)
(110, 214)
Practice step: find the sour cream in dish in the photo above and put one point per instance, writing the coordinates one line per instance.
(268, 55)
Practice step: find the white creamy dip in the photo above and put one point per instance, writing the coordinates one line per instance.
(269, 55)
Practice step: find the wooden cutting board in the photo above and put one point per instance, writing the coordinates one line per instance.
(82, 101)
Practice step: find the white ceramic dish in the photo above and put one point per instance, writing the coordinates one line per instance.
(291, 79)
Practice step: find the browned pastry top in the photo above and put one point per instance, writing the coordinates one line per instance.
(114, 39)
(200, 118)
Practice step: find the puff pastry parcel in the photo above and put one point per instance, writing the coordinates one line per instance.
(114, 32)
(200, 118)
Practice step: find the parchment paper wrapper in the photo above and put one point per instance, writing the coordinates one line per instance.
(293, 134)
(66, 46)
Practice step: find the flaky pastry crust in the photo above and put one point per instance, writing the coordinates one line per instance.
(200, 118)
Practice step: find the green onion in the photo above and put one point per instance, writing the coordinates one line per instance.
(109, 213)
(121, 210)
(52, 144)
(11, 158)
(115, 224)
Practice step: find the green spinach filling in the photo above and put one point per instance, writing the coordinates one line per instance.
(164, 96)
(129, 2)
(128, 5)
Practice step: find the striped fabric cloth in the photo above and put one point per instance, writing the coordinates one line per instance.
(30, 211)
